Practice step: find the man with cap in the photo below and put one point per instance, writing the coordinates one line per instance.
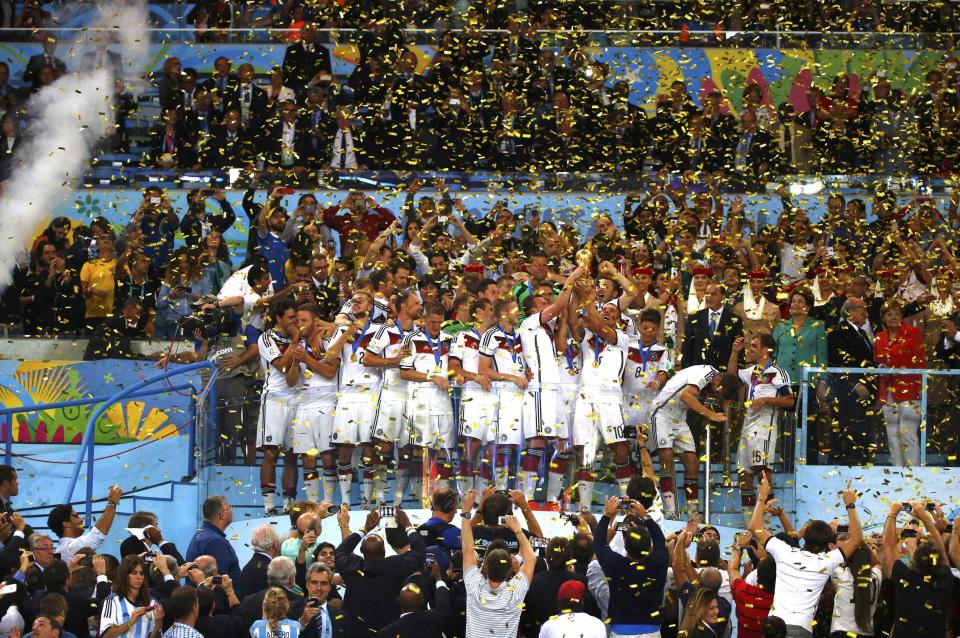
(572, 621)
(758, 314)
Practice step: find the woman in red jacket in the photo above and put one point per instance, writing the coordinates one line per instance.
(900, 345)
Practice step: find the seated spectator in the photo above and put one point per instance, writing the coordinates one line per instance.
(130, 611)
(111, 339)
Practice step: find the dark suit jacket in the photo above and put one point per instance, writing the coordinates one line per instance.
(183, 151)
(700, 348)
(219, 626)
(373, 586)
(253, 576)
(259, 105)
(847, 348)
(763, 150)
(338, 619)
(79, 610)
(133, 545)
(251, 607)
(222, 152)
(299, 66)
(304, 149)
(37, 62)
(229, 96)
(6, 156)
(422, 624)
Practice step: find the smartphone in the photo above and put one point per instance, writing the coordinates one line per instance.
(505, 493)
(155, 201)
(908, 533)
(502, 520)
(333, 509)
(313, 602)
(843, 529)
(574, 519)
(453, 102)
(386, 511)
(6, 590)
(442, 219)
(625, 504)
(217, 580)
(429, 561)
(150, 608)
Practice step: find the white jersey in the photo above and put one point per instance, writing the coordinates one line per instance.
(466, 350)
(353, 374)
(540, 352)
(314, 383)
(643, 366)
(429, 355)
(117, 611)
(386, 343)
(699, 375)
(603, 366)
(272, 346)
(506, 350)
(770, 382)
(571, 363)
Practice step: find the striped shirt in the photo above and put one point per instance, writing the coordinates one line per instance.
(117, 611)
(287, 629)
(493, 613)
(179, 630)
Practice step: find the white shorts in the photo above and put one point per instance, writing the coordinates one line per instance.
(758, 447)
(478, 415)
(546, 417)
(638, 409)
(391, 418)
(430, 425)
(567, 398)
(276, 418)
(313, 424)
(593, 420)
(514, 408)
(353, 419)
(669, 430)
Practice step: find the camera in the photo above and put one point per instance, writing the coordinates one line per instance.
(212, 323)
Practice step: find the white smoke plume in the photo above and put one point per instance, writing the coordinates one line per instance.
(66, 121)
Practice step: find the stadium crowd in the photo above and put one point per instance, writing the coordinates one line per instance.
(489, 575)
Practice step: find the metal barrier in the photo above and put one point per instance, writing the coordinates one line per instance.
(809, 374)
(87, 444)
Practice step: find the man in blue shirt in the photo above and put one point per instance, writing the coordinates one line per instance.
(211, 540)
(439, 534)
(270, 243)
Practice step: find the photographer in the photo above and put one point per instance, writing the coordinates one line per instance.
(496, 506)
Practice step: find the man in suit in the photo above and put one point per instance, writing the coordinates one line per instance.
(347, 150)
(756, 156)
(710, 333)
(318, 611)
(230, 146)
(281, 572)
(306, 63)
(721, 134)
(223, 87)
(9, 487)
(287, 145)
(415, 620)
(251, 99)
(266, 547)
(851, 395)
(102, 58)
(374, 580)
(31, 73)
(541, 601)
(152, 538)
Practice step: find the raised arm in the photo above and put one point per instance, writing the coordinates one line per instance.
(105, 522)
(521, 502)
(756, 521)
(890, 539)
(560, 304)
(466, 532)
(856, 531)
(526, 550)
(919, 512)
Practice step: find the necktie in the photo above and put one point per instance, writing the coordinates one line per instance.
(712, 328)
(343, 150)
(223, 84)
(865, 336)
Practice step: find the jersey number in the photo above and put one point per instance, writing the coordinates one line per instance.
(360, 356)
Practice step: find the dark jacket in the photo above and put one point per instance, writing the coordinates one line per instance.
(251, 608)
(253, 576)
(133, 545)
(636, 589)
(422, 624)
(541, 601)
(373, 586)
(299, 65)
(701, 348)
(338, 619)
(848, 347)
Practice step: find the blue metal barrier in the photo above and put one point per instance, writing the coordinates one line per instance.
(924, 374)
(87, 445)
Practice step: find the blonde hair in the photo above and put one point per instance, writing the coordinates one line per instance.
(275, 606)
(697, 610)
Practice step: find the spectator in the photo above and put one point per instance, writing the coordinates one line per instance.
(857, 585)
(266, 547)
(152, 539)
(753, 602)
(281, 579)
(31, 73)
(318, 616)
(130, 611)
(701, 615)
(211, 540)
(112, 338)
(185, 611)
(415, 620)
(68, 526)
(98, 284)
(636, 580)
(572, 621)
(541, 602)
(852, 394)
(274, 621)
(211, 624)
(494, 597)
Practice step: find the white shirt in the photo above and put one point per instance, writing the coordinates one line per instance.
(699, 375)
(844, 616)
(272, 346)
(353, 374)
(800, 579)
(343, 148)
(506, 350)
(763, 383)
(643, 366)
(387, 343)
(91, 539)
(312, 383)
(117, 610)
(540, 351)
(466, 350)
(579, 625)
(429, 355)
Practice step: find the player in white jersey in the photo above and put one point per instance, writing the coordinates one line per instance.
(278, 349)
(429, 406)
(359, 388)
(648, 363)
(386, 351)
(478, 404)
(501, 359)
(317, 401)
(671, 433)
(599, 410)
(544, 420)
(571, 366)
(768, 390)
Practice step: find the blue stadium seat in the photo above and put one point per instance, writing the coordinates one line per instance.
(107, 176)
(162, 177)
